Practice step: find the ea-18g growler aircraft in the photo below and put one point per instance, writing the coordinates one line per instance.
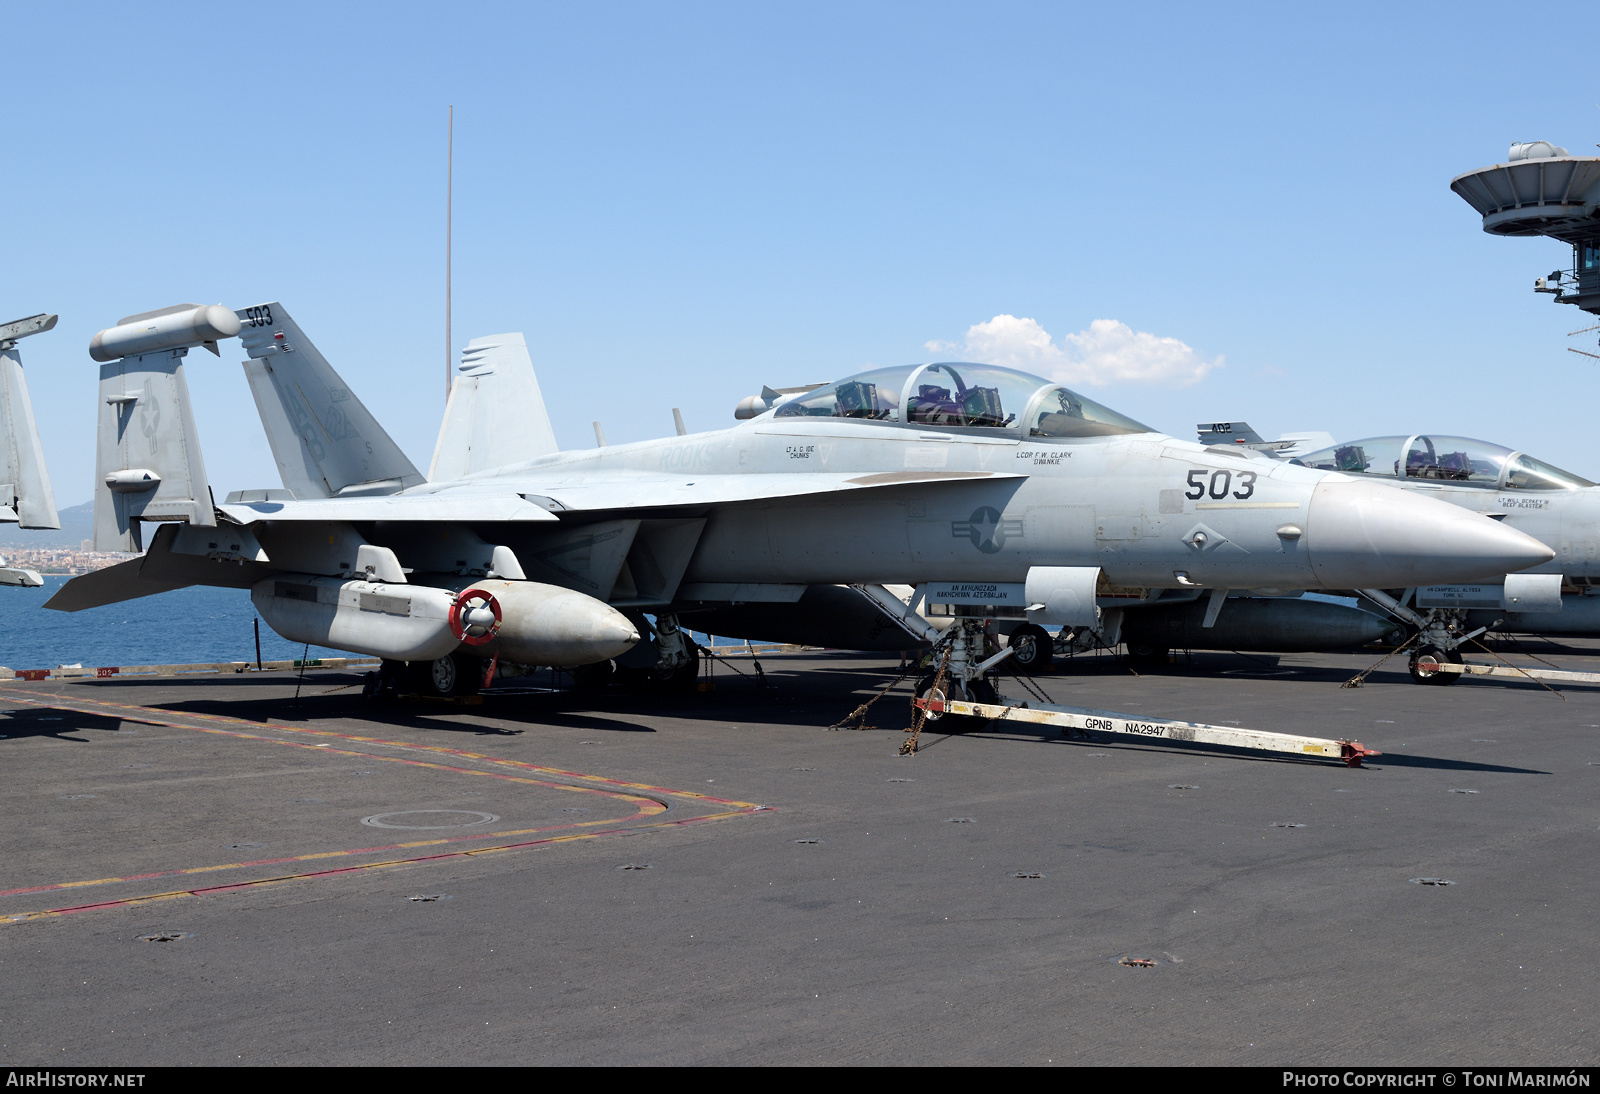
(975, 484)
(1556, 507)
(25, 496)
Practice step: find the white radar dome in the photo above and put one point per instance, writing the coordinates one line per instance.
(1535, 150)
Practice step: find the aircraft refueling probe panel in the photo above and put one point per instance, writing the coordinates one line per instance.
(1542, 190)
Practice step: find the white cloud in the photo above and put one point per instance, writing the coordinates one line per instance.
(1109, 352)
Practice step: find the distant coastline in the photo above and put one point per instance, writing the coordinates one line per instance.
(63, 561)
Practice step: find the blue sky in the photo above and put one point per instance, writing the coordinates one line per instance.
(679, 203)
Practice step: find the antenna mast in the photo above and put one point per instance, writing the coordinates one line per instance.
(449, 184)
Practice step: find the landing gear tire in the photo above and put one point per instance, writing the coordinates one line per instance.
(1142, 653)
(448, 676)
(1423, 666)
(1031, 649)
(950, 690)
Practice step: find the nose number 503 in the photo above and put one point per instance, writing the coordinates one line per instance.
(1219, 484)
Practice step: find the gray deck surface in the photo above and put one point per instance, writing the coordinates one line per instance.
(900, 937)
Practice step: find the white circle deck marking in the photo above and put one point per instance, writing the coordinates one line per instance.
(467, 818)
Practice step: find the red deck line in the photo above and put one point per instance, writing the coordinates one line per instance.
(146, 715)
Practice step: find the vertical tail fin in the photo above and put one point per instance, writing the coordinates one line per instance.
(25, 495)
(1227, 433)
(496, 414)
(326, 443)
(147, 459)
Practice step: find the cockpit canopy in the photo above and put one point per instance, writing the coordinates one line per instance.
(957, 394)
(1437, 458)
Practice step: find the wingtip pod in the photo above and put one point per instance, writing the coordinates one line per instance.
(1369, 535)
(176, 327)
(21, 328)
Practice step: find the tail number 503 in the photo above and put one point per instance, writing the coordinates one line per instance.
(1219, 484)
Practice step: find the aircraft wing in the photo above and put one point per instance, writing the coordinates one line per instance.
(657, 491)
(458, 507)
(642, 491)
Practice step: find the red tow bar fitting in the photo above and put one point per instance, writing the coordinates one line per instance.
(1353, 752)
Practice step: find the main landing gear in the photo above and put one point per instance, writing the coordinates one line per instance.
(669, 664)
(1032, 649)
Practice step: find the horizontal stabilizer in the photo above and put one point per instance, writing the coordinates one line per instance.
(1300, 444)
(179, 556)
(112, 585)
(325, 441)
(496, 415)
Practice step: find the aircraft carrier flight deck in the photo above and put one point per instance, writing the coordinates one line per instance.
(207, 871)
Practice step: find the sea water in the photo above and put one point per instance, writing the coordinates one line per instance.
(186, 626)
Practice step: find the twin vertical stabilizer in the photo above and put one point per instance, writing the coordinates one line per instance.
(496, 415)
(148, 465)
(25, 496)
(326, 443)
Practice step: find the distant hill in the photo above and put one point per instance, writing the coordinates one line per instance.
(77, 525)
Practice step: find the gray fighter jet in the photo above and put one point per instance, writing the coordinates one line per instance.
(25, 498)
(981, 487)
(1556, 507)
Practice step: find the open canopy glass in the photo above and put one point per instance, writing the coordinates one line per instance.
(961, 395)
(1439, 458)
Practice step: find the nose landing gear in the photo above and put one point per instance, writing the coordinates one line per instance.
(963, 677)
(1425, 662)
(1441, 632)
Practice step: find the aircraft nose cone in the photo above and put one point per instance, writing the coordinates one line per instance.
(605, 633)
(1364, 535)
